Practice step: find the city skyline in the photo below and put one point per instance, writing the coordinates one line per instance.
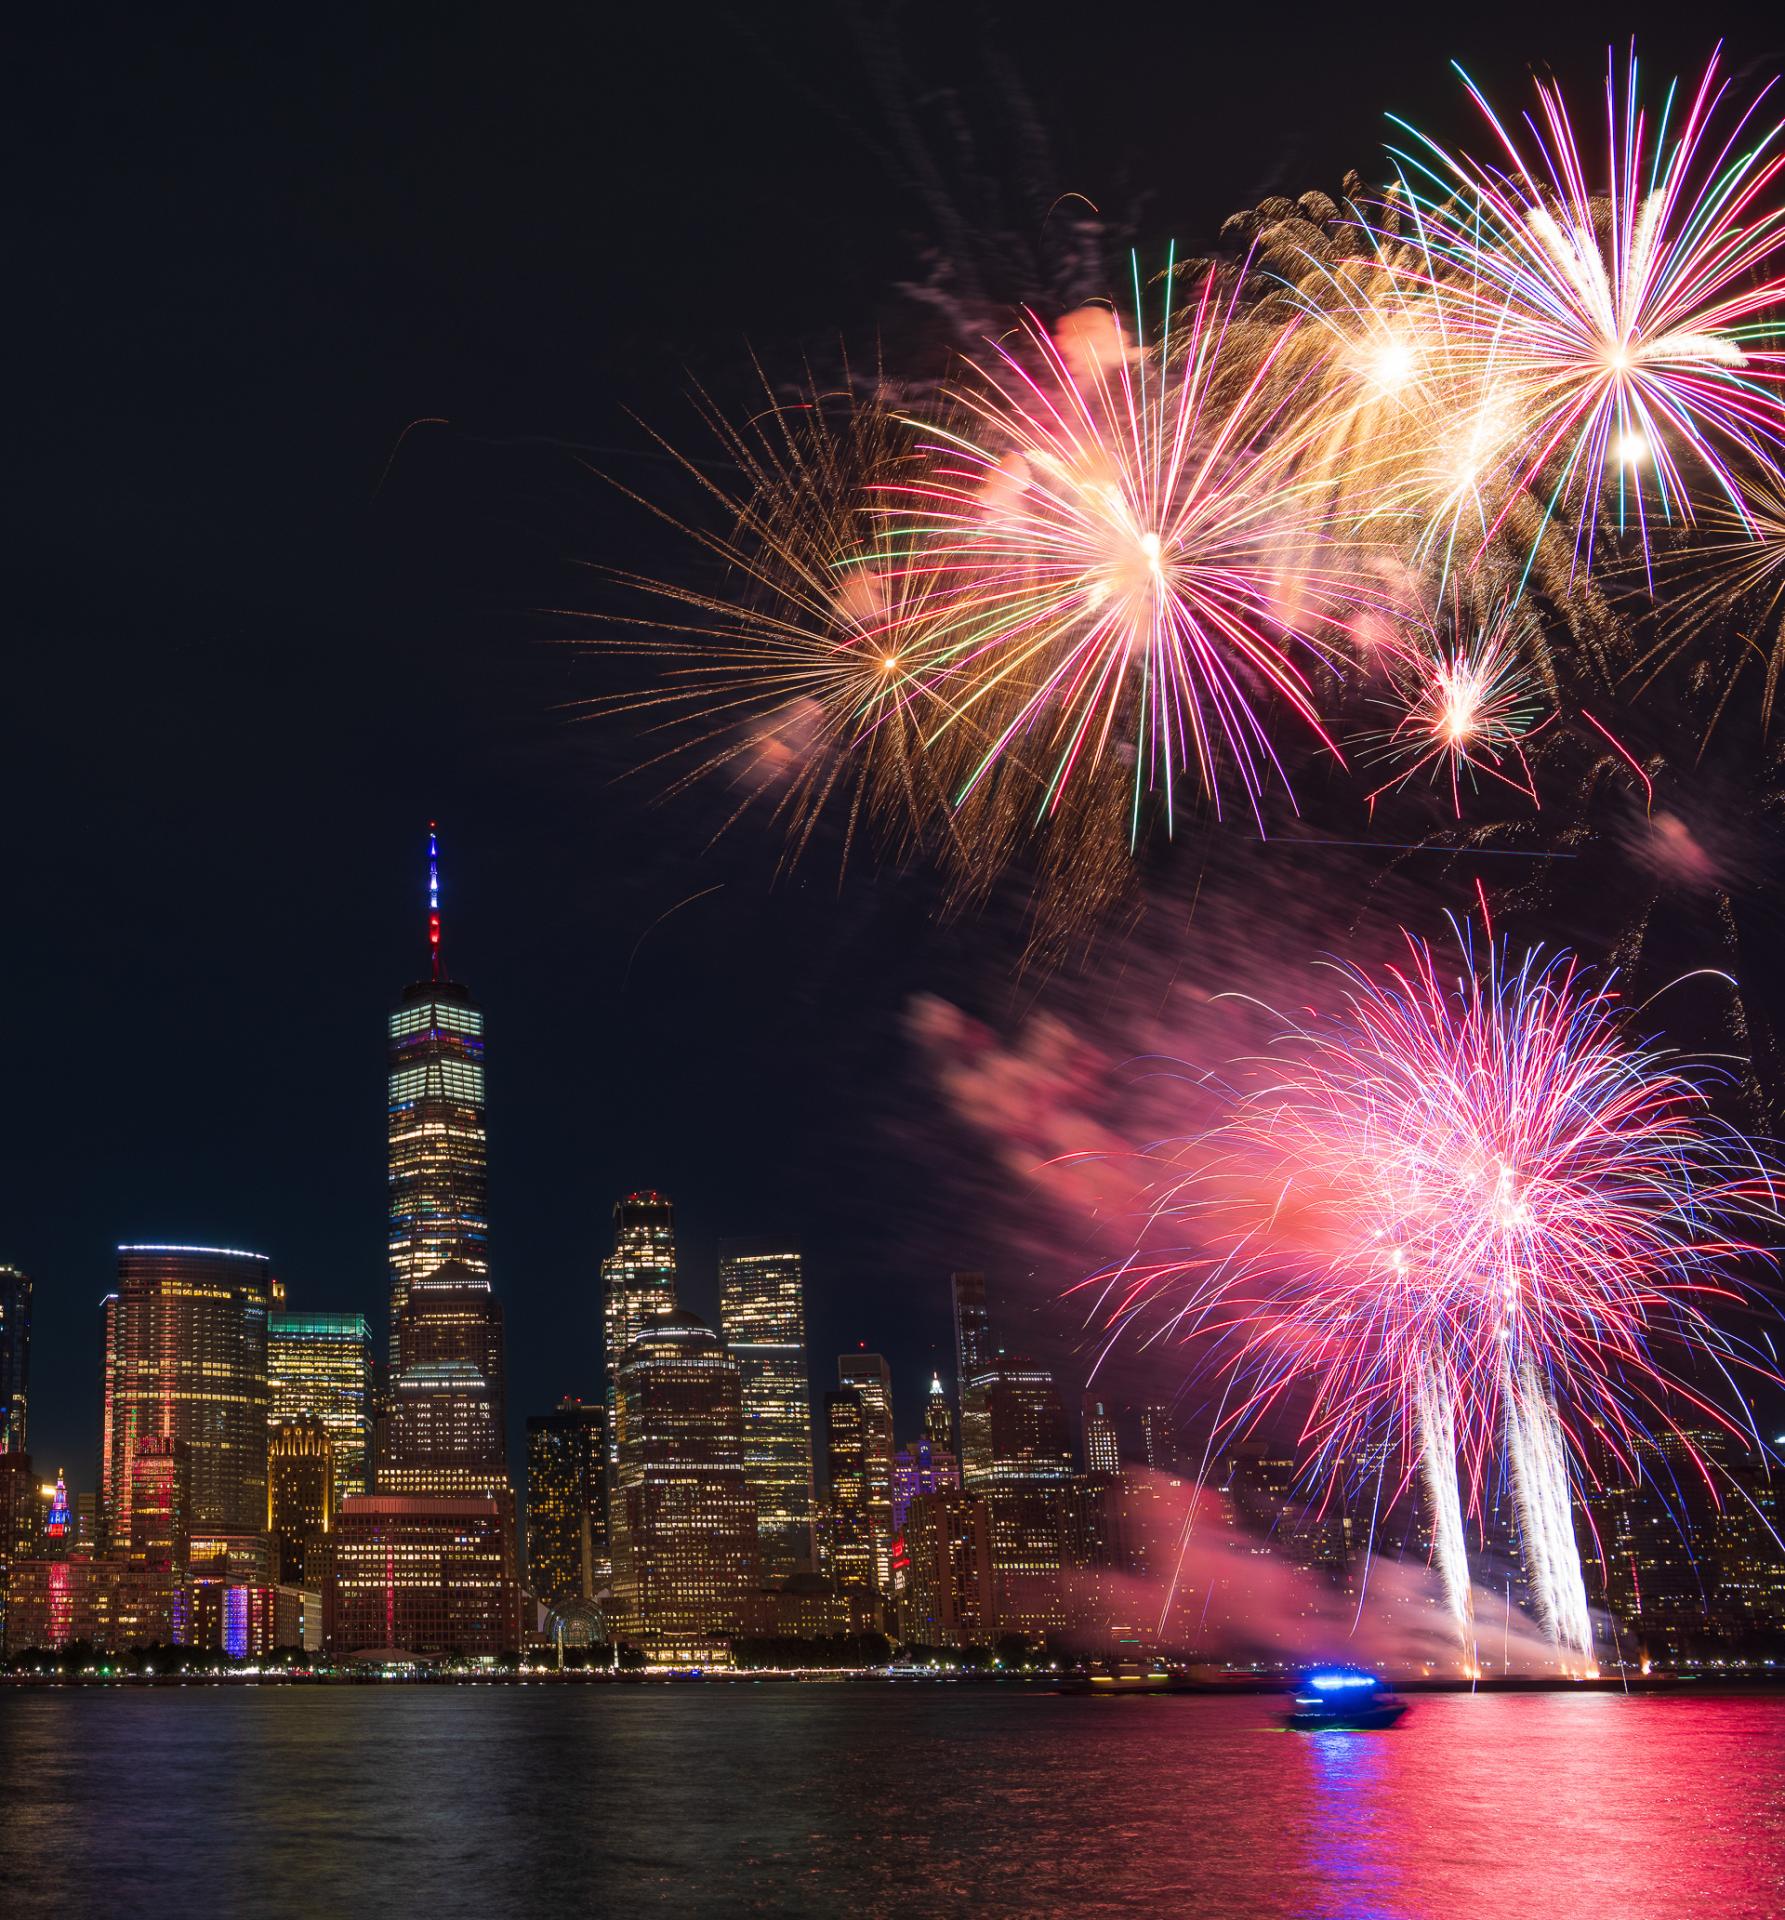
(61, 1431)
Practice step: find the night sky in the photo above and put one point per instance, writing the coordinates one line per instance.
(318, 335)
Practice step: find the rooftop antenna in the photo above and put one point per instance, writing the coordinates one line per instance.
(434, 898)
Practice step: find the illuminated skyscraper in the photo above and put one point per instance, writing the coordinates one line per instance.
(1103, 1453)
(1159, 1439)
(638, 1282)
(684, 1522)
(869, 1375)
(300, 1497)
(319, 1365)
(850, 1523)
(920, 1467)
(438, 1169)
(949, 1598)
(938, 1417)
(1020, 1458)
(445, 1433)
(186, 1359)
(567, 1545)
(15, 1359)
(762, 1311)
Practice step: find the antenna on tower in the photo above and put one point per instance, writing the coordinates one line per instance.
(434, 898)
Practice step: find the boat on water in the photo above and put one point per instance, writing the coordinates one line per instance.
(1126, 1676)
(1343, 1700)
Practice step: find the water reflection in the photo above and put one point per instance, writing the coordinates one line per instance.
(875, 1800)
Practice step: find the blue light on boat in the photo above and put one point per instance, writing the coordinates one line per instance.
(1332, 1682)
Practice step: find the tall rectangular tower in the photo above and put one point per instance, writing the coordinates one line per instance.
(973, 1353)
(869, 1375)
(186, 1354)
(320, 1365)
(638, 1282)
(15, 1359)
(439, 1205)
(762, 1313)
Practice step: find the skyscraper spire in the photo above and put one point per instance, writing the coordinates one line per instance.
(434, 898)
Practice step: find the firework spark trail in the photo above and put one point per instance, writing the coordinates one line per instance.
(1538, 1456)
(1438, 1460)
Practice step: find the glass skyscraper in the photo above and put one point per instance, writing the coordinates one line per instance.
(447, 1429)
(868, 1375)
(186, 1359)
(567, 1550)
(684, 1524)
(638, 1282)
(438, 1159)
(15, 1359)
(762, 1311)
(319, 1365)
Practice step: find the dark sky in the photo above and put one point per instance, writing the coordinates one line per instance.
(259, 637)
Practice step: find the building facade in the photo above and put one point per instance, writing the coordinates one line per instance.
(568, 1558)
(300, 1498)
(849, 1519)
(319, 1366)
(438, 1153)
(683, 1519)
(638, 1282)
(868, 1375)
(1017, 1452)
(762, 1312)
(15, 1360)
(446, 1422)
(424, 1574)
(186, 1359)
(949, 1593)
(1103, 1451)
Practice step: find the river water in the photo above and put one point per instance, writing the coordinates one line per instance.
(833, 1800)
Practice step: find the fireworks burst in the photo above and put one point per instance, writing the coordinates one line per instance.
(1628, 314)
(1467, 705)
(1123, 567)
(1475, 1216)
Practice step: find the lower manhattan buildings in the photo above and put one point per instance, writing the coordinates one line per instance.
(682, 1513)
(762, 1312)
(319, 1366)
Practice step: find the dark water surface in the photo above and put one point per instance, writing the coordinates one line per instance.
(870, 1800)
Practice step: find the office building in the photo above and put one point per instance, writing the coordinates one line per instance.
(567, 1545)
(638, 1282)
(762, 1313)
(186, 1360)
(849, 1519)
(973, 1350)
(1018, 1454)
(437, 1149)
(301, 1485)
(1103, 1453)
(15, 1360)
(421, 1573)
(682, 1515)
(1159, 1439)
(949, 1596)
(319, 1366)
(446, 1421)
(920, 1467)
(868, 1375)
(153, 1605)
(938, 1418)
